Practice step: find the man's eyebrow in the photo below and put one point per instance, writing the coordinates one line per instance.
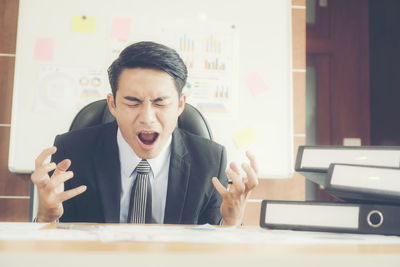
(161, 98)
(132, 98)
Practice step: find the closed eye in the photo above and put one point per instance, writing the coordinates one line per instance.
(161, 101)
(160, 104)
(133, 105)
(132, 101)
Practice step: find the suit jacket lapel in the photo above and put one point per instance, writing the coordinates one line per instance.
(178, 180)
(108, 173)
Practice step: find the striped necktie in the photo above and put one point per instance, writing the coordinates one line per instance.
(140, 201)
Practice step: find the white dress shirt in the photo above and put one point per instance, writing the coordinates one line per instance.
(158, 178)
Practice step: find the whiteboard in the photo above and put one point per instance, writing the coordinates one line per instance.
(238, 55)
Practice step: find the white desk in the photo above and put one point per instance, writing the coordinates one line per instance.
(121, 245)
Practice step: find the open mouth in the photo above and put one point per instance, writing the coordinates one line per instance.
(148, 138)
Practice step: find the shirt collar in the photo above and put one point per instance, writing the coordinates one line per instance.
(129, 160)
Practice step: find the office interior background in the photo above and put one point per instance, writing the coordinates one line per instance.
(350, 52)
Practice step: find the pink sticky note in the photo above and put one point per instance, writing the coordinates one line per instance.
(44, 49)
(256, 84)
(121, 28)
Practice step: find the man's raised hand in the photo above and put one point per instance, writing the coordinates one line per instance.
(234, 198)
(51, 192)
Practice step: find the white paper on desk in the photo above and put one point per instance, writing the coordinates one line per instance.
(34, 231)
(185, 234)
(157, 233)
(15, 226)
(210, 234)
(18, 230)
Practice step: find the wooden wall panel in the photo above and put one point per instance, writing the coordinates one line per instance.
(299, 38)
(6, 85)
(252, 213)
(8, 25)
(14, 210)
(299, 102)
(11, 184)
(299, 3)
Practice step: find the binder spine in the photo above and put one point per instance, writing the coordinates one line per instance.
(379, 219)
(372, 218)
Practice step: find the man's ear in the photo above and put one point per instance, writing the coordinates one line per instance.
(182, 102)
(111, 104)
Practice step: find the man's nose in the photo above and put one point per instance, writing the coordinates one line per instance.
(147, 114)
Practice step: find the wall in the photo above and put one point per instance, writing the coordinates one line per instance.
(14, 189)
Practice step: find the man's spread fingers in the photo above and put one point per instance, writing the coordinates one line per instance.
(60, 178)
(234, 167)
(218, 186)
(39, 181)
(62, 166)
(43, 170)
(40, 177)
(72, 193)
(237, 184)
(253, 161)
(252, 179)
(44, 155)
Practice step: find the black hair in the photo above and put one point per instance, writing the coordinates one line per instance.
(149, 55)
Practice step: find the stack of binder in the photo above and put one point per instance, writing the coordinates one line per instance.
(366, 178)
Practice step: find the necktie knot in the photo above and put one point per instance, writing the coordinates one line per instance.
(143, 167)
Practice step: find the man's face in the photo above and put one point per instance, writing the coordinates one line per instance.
(146, 108)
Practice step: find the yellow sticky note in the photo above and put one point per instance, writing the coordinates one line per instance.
(83, 24)
(244, 137)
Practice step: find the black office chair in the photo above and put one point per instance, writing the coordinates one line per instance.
(97, 112)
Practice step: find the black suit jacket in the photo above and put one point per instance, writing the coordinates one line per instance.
(191, 196)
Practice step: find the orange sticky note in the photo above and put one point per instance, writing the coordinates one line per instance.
(44, 49)
(121, 28)
(83, 24)
(244, 137)
(256, 84)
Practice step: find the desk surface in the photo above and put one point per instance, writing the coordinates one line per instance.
(347, 250)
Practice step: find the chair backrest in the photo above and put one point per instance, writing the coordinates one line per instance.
(97, 112)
